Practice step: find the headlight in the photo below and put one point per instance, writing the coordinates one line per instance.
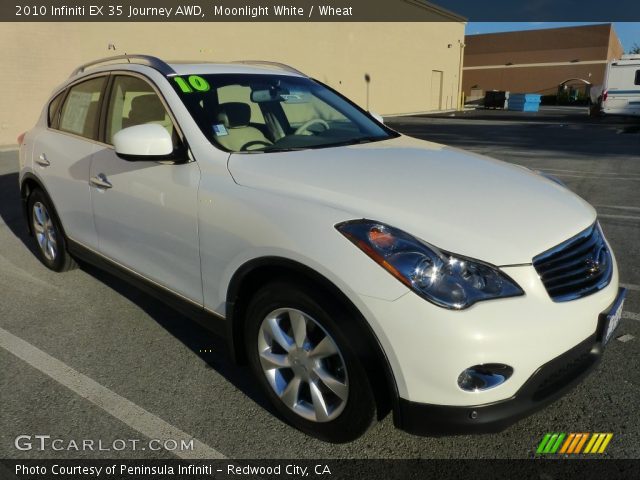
(448, 280)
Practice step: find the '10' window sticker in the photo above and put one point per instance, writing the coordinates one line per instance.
(193, 83)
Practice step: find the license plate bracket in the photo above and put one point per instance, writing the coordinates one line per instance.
(608, 321)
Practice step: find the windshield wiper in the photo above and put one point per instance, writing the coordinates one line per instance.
(369, 139)
(354, 141)
(282, 149)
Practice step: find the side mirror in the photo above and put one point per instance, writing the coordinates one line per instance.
(146, 142)
(377, 117)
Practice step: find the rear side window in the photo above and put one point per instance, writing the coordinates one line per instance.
(637, 82)
(53, 109)
(81, 110)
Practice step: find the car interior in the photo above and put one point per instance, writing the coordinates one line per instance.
(241, 135)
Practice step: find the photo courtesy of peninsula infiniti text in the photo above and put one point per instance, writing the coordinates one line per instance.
(356, 271)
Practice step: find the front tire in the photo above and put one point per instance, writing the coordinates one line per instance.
(51, 245)
(306, 367)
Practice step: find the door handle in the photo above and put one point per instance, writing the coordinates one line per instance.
(100, 181)
(42, 160)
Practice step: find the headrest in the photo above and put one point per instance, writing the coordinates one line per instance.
(234, 114)
(146, 108)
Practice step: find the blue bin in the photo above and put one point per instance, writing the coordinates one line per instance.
(524, 102)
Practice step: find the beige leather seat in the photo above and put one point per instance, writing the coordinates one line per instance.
(236, 116)
(146, 108)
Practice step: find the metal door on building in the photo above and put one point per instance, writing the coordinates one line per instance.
(435, 102)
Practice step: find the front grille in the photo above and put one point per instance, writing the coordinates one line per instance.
(576, 268)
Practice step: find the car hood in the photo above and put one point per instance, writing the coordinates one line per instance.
(458, 201)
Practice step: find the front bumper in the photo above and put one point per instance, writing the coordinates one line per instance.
(547, 384)
(427, 347)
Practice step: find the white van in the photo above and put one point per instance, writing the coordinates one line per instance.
(621, 94)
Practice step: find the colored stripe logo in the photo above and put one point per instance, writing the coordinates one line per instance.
(574, 443)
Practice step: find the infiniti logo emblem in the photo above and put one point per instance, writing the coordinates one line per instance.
(597, 261)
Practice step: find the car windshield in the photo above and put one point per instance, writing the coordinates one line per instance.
(268, 113)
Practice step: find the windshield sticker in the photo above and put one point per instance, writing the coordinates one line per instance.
(219, 130)
(199, 83)
(195, 82)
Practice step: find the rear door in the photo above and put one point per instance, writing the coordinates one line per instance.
(63, 152)
(147, 218)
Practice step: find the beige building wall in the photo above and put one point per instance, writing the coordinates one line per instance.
(400, 58)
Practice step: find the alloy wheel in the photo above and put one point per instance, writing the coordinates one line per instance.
(303, 365)
(45, 231)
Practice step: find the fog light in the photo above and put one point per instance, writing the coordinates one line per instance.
(484, 377)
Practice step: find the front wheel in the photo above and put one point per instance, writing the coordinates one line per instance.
(304, 364)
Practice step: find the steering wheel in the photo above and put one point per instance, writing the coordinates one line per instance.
(252, 143)
(305, 126)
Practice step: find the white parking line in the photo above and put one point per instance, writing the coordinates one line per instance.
(598, 176)
(631, 286)
(582, 172)
(631, 316)
(618, 217)
(619, 207)
(119, 407)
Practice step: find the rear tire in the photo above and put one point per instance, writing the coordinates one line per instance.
(305, 365)
(51, 244)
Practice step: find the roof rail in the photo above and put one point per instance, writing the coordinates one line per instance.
(148, 60)
(282, 66)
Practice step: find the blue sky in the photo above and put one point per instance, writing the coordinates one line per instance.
(629, 32)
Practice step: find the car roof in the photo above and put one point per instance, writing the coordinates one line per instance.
(202, 68)
(140, 62)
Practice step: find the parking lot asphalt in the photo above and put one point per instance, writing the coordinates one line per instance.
(94, 336)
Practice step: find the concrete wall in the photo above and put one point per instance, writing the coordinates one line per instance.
(537, 61)
(399, 58)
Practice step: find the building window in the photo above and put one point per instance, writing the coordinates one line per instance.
(637, 82)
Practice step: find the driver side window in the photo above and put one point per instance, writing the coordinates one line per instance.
(134, 102)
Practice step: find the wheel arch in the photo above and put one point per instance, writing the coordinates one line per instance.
(28, 184)
(255, 273)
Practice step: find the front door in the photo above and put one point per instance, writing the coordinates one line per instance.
(145, 212)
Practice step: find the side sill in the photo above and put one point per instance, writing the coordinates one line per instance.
(212, 322)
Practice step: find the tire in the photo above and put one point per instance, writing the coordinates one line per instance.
(317, 383)
(50, 242)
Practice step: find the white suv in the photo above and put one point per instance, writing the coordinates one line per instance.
(356, 270)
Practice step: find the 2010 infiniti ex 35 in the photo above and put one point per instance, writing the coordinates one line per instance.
(355, 270)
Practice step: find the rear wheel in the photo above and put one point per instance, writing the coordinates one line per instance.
(304, 364)
(51, 246)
